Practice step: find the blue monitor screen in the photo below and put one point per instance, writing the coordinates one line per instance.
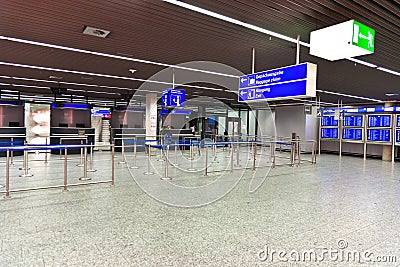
(329, 121)
(379, 120)
(398, 136)
(398, 120)
(353, 121)
(379, 135)
(352, 134)
(330, 133)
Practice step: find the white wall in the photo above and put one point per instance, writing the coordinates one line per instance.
(289, 119)
(266, 122)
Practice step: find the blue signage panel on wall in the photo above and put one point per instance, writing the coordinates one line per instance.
(398, 121)
(287, 82)
(379, 120)
(379, 135)
(329, 121)
(352, 134)
(329, 133)
(398, 136)
(173, 98)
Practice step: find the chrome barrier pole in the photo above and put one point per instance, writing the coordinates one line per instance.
(134, 166)
(12, 152)
(313, 153)
(214, 153)
(254, 155)
(228, 155)
(148, 161)
(232, 157)
(91, 159)
(191, 158)
(237, 154)
(85, 177)
(65, 169)
(26, 174)
(273, 158)
(166, 163)
(176, 155)
(81, 164)
(45, 153)
(122, 152)
(206, 168)
(112, 164)
(161, 156)
(298, 153)
(7, 175)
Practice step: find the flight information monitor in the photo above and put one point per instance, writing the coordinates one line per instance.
(353, 121)
(398, 121)
(379, 135)
(379, 120)
(329, 121)
(397, 136)
(352, 134)
(329, 133)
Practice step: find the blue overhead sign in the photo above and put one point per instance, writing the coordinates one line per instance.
(173, 98)
(288, 82)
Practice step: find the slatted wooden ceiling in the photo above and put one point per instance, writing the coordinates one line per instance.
(162, 32)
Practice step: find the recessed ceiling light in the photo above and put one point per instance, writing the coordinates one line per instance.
(132, 71)
(55, 77)
(96, 32)
(391, 94)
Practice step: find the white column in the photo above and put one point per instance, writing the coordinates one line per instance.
(151, 116)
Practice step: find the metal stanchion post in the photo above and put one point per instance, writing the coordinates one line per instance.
(298, 153)
(273, 153)
(228, 155)
(215, 153)
(148, 161)
(254, 155)
(313, 153)
(12, 152)
(191, 158)
(7, 175)
(176, 155)
(134, 166)
(91, 159)
(26, 174)
(85, 177)
(232, 157)
(237, 154)
(122, 152)
(112, 164)
(45, 153)
(161, 157)
(81, 164)
(206, 168)
(166, 163)
(65, 170)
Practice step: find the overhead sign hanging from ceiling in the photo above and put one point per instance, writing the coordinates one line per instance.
(343, 40)
(296, 81)
(173, 98)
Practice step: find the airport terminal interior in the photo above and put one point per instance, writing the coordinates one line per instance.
(200, 133)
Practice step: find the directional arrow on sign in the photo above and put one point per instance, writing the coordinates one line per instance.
(243, 92)
(243, 80)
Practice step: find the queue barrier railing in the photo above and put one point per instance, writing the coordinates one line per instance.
(65, 184)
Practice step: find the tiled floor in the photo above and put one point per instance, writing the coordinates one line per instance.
(339, 201)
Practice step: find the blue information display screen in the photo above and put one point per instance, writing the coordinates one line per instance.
(329, 133)
(379, 120)
(329, 121)
(379, 135)
(398, 120)
(352, 134)
(398, 136)
(353, 121)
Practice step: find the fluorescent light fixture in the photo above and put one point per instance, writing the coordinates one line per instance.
(389, 71)
(362, 62)
(233, 21)
(111, 56)
(391, 94)
(351, 96)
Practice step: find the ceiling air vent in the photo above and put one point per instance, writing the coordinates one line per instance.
(96, 32)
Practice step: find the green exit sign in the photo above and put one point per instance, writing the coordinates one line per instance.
(363, 36)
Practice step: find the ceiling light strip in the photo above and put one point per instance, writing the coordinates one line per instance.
(351, 96)
(112, 56)
(262, 30)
